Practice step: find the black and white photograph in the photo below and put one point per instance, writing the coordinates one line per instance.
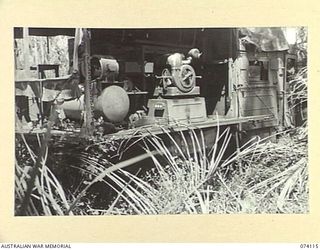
(160, 121)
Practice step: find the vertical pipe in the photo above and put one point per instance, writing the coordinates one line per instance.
(41, 103)
(87, 125)
(48, 45)
(144, 84)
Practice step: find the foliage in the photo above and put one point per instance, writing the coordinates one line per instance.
(300, 46)
(175, 184)
(48, 196)
(186, 177)
(298, 96)
(272, 178)
(263, 177)
(299, 88)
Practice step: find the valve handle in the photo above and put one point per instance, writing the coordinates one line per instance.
(164, 77)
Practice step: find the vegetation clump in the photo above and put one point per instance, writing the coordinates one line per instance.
(184, 178)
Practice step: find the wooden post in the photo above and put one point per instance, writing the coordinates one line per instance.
(76, 43)
(87, 125)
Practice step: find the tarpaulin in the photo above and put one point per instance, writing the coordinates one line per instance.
(265, 39)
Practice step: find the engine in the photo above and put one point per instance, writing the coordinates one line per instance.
(176, 96)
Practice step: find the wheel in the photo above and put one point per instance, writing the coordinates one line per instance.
(166, 81)
(187, 79)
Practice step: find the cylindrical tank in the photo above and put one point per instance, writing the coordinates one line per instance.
(243, 65)
(244, 68)
(113, 102)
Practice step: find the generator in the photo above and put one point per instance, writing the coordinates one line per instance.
(177, 97)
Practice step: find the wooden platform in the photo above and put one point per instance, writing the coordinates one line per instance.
(156, 129)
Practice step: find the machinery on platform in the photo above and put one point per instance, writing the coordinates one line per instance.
(109, 100)
(241, 78)
(176, 98)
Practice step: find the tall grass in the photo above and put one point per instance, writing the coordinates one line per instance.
(298, 96)
(37, 190)
(177, 184)
(274, 178)
(299, 88)
(186, 176)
